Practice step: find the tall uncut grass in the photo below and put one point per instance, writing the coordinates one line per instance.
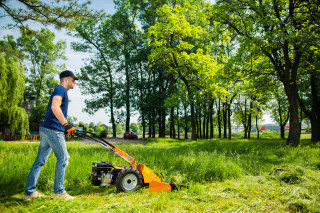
(195, 164)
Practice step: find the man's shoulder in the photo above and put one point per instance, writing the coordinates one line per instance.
(59, 90)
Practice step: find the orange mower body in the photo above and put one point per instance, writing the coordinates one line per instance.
(125, 178)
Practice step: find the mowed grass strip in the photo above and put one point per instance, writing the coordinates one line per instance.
(246, 175)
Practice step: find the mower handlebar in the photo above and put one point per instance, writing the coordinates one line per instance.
(107, 145)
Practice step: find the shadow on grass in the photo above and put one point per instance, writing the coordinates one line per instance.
(90, 190)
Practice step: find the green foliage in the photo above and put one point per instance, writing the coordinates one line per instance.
(42, 55)
(179, 41)
(85, 128)
(119, 129)
(59, 13)
(91, 125)
(281, 31)
(101, 130)
(134, 127)
(71, 120)
(11, 94)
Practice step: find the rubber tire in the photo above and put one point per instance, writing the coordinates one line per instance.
(115, 173)
(124, 173)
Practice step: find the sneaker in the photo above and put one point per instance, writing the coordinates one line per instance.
(64, 195)
(33, 196)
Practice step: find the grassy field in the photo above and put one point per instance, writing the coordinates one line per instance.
(223, 176)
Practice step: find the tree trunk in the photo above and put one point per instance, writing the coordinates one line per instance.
(150, 130)
(163, 134)
(211, 119)
(282, 128)
(186, 122)
(245, 131)
(143, 126)
(113, 123)
(294, 131)
(219, 120)
(153, 126)
(178, 126)
(314, 113)
(258, 131)
(224, 114)
(249, 127)
(199, 117)
(197, 124)
(315, 129)
(204, 122)
(229, 120)
(160, 121)
(193, 125)
(150, 123)
(127, 97)
(172, 123)
(207, 127)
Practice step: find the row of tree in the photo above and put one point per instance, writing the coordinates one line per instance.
(191, 62)
(204, 61)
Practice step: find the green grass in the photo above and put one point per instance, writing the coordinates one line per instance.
(223, 176)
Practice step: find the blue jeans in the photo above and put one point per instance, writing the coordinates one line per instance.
(50, 140)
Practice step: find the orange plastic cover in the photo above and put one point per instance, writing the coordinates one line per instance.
(155, 186)
(147, 174)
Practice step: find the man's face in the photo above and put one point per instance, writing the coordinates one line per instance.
(71, 82)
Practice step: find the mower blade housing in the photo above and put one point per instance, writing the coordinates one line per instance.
(155, 184)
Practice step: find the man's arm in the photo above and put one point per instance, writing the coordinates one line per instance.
(55, 107)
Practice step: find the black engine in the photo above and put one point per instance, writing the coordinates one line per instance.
(100, 175)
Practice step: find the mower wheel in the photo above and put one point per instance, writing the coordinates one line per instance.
(128, 179)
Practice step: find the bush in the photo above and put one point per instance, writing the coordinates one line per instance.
(103, 134)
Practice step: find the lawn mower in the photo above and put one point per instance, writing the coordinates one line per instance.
(125, 178)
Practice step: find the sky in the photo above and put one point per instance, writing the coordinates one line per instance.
(75, 60)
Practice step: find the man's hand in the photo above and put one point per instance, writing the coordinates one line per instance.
(69, 129)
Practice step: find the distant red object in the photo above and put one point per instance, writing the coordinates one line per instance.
(287, 127)
(263, 128)
(130, 135)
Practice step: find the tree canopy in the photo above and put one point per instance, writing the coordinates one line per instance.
(12, 84)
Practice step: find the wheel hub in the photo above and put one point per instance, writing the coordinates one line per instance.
(130, 182)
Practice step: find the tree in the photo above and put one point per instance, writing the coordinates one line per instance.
(309, 87)
(71, 120)
(119, 129)
(124, 35)
(42, 56)
(178, 41)
(91, 125)
(279, 109)
(134, 127)
(279, 29)
(97, 76)
(81, 124)
(11, 89)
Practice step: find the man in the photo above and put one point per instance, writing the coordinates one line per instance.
(52, 138)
